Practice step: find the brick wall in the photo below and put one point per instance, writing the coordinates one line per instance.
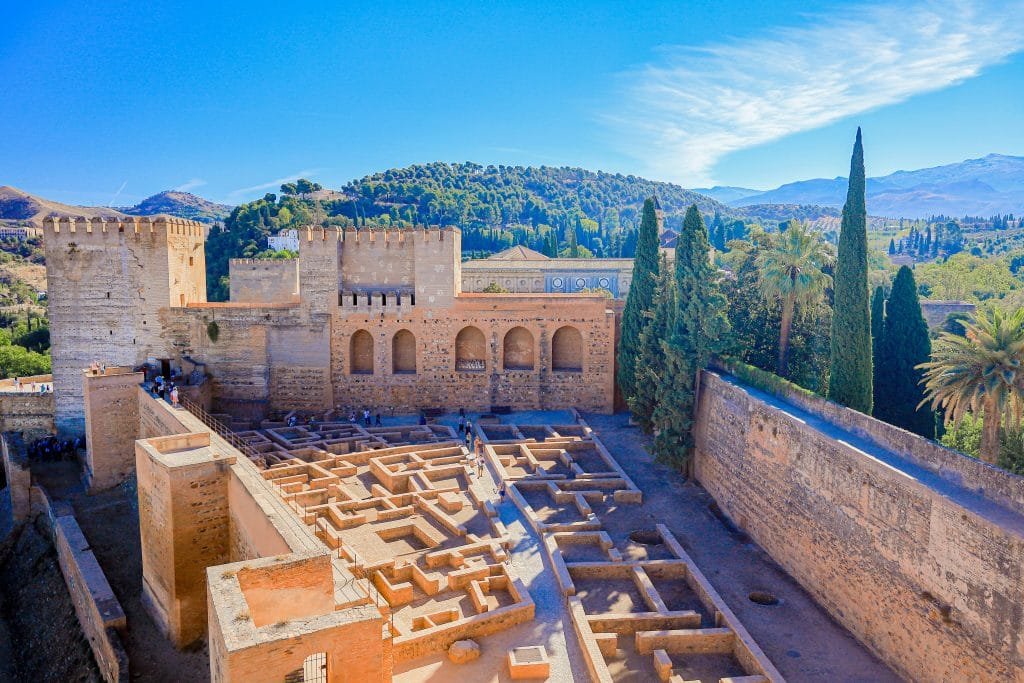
(925, 569)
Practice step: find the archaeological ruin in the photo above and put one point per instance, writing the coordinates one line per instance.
(270, 531)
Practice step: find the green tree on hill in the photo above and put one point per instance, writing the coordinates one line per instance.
(877, 333)
(698, 325)
(638, 301)
(850, 381)
(651, 359)
(905, 346)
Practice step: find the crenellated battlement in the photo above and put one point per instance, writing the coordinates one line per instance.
(131, 225)
(377, 299)
(353, 236)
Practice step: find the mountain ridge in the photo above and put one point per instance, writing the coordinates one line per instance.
(993, 184)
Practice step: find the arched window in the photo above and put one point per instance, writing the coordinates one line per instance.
(360, 353)
(403, 353)
(518, 352)
(567, 350)
(470, 350)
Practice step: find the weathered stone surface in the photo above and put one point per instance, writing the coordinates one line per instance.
(915, 548)
(463, 651)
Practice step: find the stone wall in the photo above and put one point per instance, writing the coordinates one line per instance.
(441, 380)
(264, 280)
(183, 524)
(97, 608)
(916, 549)
(111, 426)
(108, 282)
(26, 412)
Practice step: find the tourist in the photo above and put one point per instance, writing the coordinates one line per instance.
(377, 422)
(462, 425)
(471, 459)
(366, 416)
(352, 416)
(174, 396)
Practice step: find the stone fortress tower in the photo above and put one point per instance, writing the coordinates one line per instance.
(108, 282)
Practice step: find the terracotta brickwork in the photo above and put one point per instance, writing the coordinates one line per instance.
(915, 548)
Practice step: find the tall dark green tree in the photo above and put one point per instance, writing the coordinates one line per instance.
(698, 326)
(877, 334)
(850, 381)
(651, 360)
(905, 346)
(638, 301)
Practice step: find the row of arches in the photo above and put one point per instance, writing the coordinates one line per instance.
(519, 351)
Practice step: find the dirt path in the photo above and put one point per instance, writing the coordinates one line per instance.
(797, 635)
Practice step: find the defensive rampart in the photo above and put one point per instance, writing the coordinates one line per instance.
(915, 548)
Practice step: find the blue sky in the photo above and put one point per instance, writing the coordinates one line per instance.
(106, 103)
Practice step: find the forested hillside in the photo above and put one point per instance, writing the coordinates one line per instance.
(568, 211)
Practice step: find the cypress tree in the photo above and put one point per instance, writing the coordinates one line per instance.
(698, 325)
(638, 301)
(850, 381)
(905, 345)
(877, 335)
(651, 358)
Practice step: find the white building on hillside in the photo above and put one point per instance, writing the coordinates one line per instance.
(286, 239)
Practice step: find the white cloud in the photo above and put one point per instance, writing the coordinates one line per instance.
(234, 196)
(190, 185)
(685, 111)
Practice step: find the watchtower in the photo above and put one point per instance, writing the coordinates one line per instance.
(107, 281)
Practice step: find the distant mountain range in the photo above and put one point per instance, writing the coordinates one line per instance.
(21, 207)
(977, 187)
(499, 195)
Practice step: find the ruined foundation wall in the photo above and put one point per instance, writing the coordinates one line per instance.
(931, 584)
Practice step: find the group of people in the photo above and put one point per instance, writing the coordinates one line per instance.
(32, 387)
(166, 390)
(368, 420)
(52, 448)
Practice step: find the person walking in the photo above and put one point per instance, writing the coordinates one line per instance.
(174, 396)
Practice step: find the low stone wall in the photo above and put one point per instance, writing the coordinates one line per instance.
(918, 550)
(99, 613)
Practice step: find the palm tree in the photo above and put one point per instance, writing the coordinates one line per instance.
(982, 371)
(791, 270)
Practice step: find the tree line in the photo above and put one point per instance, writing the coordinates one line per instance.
(787, 302)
